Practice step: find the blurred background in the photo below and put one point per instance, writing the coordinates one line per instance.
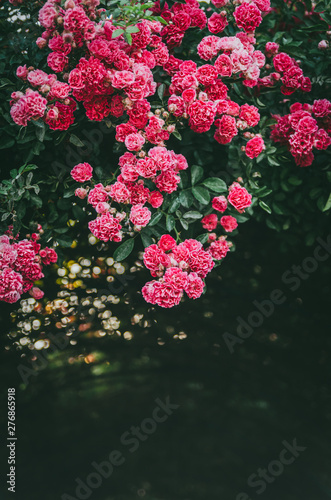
(235, 409)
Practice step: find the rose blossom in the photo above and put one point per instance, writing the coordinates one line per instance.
(119, 192)
(254, 147)
(36, 293)
(239, 197)
(166, 242)
(140, 215)
(155, 259)
(11, 285)
(219, 203)
(194, 286)
(218, 249)
(155, 199)
(217, 23)
(176, 277)
(82, 172)
(209, 222)
(247, 16)
(229, 223)
(134, 142)
(97, 194)
(105, 227)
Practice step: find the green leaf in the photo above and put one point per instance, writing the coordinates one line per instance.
(156, 217)
(160, 19)
(36, 200)
(69, 193)
(128, 38)
(5, 216)
(20, 210)
(201, 194)
(327, 204)
(203, 238)
(260, 103)
(132, 29)
(160, 91)
(64, 204)
(215, 184)
(295, 181)
(64, 241)
(196, 174)
(117, 33)
(273, 162)
(186, 198)
(184, 180)
(146, 239)
(40, 130)
(265, 207)
(76, 141)
(78, 212)
(61, 230)
(184, 223)
(170, 223)
(192, 214)
(174, 205)
(124, 250)
(177, 134)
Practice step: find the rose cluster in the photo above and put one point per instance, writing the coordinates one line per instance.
(160, 166)
(238, 197)
(21, 263)
(287, 70)
(305, 128)
(179, 268)
(48, 99)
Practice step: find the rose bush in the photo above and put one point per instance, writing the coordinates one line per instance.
(177, 86)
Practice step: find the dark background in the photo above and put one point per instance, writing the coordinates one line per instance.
(235, 409)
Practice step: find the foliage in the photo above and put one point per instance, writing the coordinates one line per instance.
(285, 196)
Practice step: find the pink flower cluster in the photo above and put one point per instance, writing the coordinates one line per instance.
(21, 265)
(305, 128)
(160, 165)
(198, 93)
(179, 268)
(228, 222)
(287, 70)
(49, 100)
(240, 199)
(292, 75)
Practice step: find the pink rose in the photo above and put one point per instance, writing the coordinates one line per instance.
(229, 223)
(140, 215)
(239, 197)
(166, 242)
(82, 172)
(220, 204)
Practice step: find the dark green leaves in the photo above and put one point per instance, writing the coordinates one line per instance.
(201, 194)
(193, 215)
(265, 207)
(215, 184)
(170, 223)
(124, 250)
(196, 174)
(186, 199)
(327, 205)
(117, 33)
(40, 130)
(76, 141)
(146, 239)
(160, 91)
(156, 217)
